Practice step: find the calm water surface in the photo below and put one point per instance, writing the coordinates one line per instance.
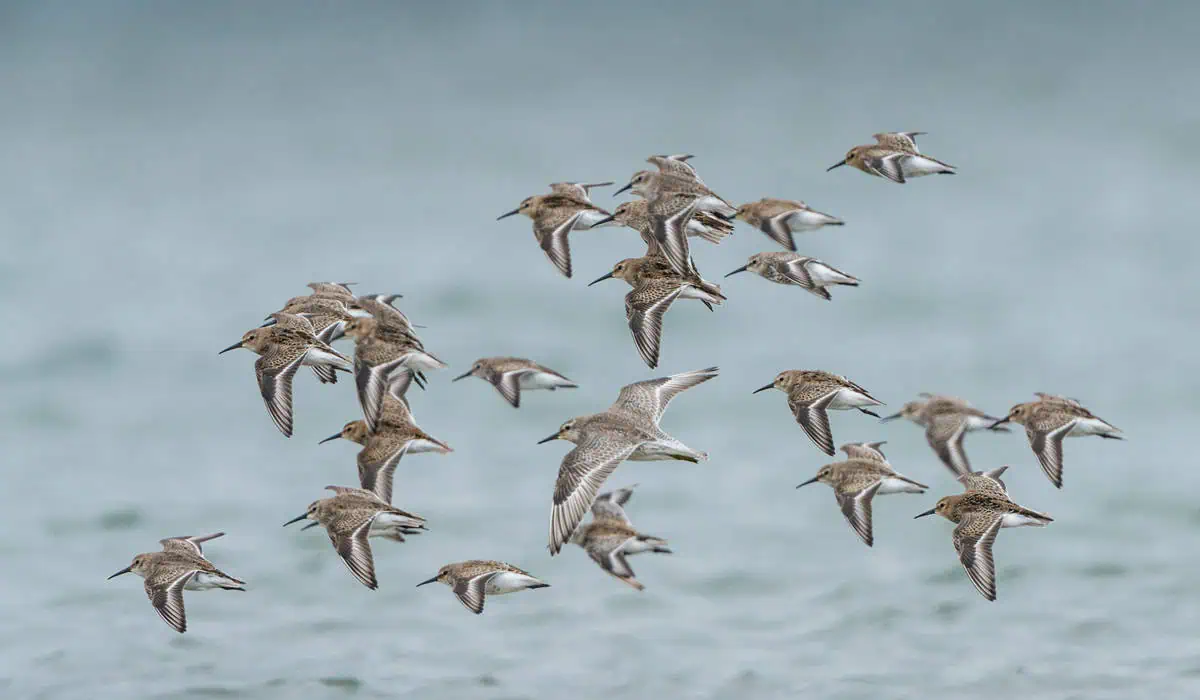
(172, 173)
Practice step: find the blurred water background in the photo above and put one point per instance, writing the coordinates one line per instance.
(171, 172)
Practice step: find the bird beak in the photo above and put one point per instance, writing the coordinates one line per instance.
(235, 346)
(628, 185)
(601, 279)
(838, 164)
(1002, 421)
(548, 439)
(769, 386)
(295, 520)
(810, 481)
(462, 376)
(432, 580)
(335, 436)
(310, 525)
(269, 322)
(931, 511)
(507, 214)
(885, 419)
(122, 571)
(743, 268)
(605, 220)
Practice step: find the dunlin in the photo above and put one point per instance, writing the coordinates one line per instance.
(856, 481)
(894, 156)
(554, 216)
(986, 482)
(979, 517)
(333, 290)
(281, 352)
(670, 213)
(395, 435)
(578, 190)
(947, 420)
(382, 308)
(865, 450)
(610, 537)
(792, 268)
(512, 374)
(813, 392)
(350, 516)
(328, 316)
(475, 579)
(655, 287)
(325, 373)
(780, 218)
(1050, 419)
(635, 214)
(676, 165)
(627, 430)
(382, 356)
(180, 565)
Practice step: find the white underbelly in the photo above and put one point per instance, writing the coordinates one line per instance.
(823, 275)
(916, 166)
(588, 218)
(891, 484)
(849, 398)
(1018, 520)
(386, 523)
(203, 581)
(1090, 426)
(808, 220)
(317, 356)
(541, 380)
(509, 582)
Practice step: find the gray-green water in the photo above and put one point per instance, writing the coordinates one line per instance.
(171, 173)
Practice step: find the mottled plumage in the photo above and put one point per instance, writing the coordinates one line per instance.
(1050, 419)
(947, 420)
(610, 537)
(281, 352)
(895, 157)
(180, 565)
(979, 517)
(856, 481)
(554, 216)
(792, 268)
(473, 580)
(512, 374)
(627, 430)
(351, 516)
(811, 393)
(780, 218)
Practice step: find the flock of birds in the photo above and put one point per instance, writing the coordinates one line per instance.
(674, 205)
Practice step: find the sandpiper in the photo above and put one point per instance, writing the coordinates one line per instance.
(865, 450)
(947, 420)
(382, 356)
(655, 287)
(350, 516)
(1050, 419)
(333, 290)
(780, 218)
(512, 374)
(813, 392)
(395, 435)
(382, 308)
(856, 481)
(635, 214)
(610, 537)
(792, 268)
(554, 216)
(670, 213)
(986, 482)
(473, 580)
(894, 156)
(327, 315)
(676, 165)
(627, 430)
(578, 190)
(281, 352)
(180, 565)
(280, 319)
(979, 517)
